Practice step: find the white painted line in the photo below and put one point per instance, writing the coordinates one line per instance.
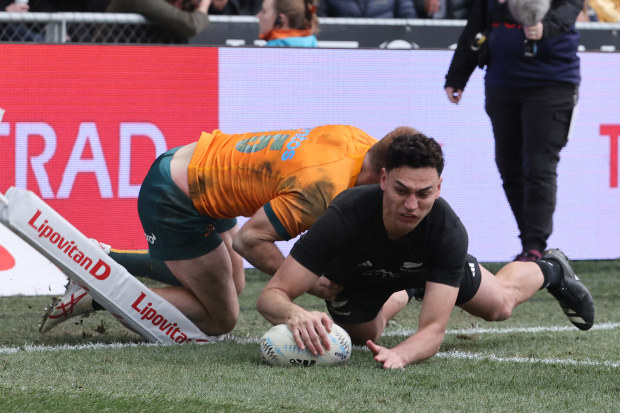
(479, 330)
(401, 333)
(528, 360)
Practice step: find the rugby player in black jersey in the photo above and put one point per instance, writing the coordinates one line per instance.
(396, 237)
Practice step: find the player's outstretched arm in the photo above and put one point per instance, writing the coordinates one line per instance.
(437, 306)
(275, 303)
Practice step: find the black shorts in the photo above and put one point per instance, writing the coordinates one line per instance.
(363, 306)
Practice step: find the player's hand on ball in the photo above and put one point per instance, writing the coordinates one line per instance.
(389, 358)
(310, 330)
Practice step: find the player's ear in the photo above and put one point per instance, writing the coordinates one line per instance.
(439, 187)
(383, 179)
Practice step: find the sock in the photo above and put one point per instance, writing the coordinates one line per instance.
(140, 263)
(552, 273)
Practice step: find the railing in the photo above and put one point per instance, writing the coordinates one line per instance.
(111, 28)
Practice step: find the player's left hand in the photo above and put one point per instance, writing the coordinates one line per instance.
(389, 358)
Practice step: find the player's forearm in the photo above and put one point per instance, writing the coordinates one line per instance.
(263, 255)
(423, 345)
(276, 306)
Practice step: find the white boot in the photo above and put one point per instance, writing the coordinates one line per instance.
(75, 302)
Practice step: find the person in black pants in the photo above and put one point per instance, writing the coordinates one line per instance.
(531, 82)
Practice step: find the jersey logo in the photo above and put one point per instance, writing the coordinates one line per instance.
(257, 143)
(366, 263)
(410, 266)
(299, 137)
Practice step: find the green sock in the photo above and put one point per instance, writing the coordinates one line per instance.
(140, 263)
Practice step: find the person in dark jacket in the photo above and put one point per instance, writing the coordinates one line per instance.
(530, 99)
(403, 9)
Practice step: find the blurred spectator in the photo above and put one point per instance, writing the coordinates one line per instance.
(606, 10)
(19, 32)
(225, 7)
(175, 20)
(588, 14)
(235, 7)
(443, 9)
(290, 23)
(403, 9)
(79, 6)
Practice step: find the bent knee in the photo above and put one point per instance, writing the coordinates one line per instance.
(221, 325)
(500, 314)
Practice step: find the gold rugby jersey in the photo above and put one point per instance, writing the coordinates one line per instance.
(293, 174)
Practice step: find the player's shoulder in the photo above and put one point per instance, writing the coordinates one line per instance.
(442, 211)
(358, 196)
(338, 135)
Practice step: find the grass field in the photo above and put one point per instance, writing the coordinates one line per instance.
(534, 362)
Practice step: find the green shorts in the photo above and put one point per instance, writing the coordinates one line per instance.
(362, 306)
(174, 229)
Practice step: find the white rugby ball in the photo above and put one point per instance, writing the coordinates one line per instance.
(278, 348)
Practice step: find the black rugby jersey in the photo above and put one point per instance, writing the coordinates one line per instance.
(348, 244)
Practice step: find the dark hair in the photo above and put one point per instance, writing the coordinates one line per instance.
(301, 13)
(413, 149)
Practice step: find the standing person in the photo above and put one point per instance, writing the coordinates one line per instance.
(530, 101)
(189, 201)
(376, 240)
(291, 23)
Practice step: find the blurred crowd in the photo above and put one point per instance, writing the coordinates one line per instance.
(278, 19)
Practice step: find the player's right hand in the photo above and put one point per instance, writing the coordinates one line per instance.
(310, 330)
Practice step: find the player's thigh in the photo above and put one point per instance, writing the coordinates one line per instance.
(209, 277)
(489, 299)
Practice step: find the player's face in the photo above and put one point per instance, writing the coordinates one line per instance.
(408, 196)
(266, 16)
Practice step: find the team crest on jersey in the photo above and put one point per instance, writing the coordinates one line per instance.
(410, 266)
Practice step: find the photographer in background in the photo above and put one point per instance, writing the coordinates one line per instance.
(530, 99)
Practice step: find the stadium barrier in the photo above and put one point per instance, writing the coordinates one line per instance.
(112, 28)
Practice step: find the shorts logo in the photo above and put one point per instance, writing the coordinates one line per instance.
(338, 304)
(472, 268)
(150, 238)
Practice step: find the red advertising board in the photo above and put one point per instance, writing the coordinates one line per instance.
(84, 123)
